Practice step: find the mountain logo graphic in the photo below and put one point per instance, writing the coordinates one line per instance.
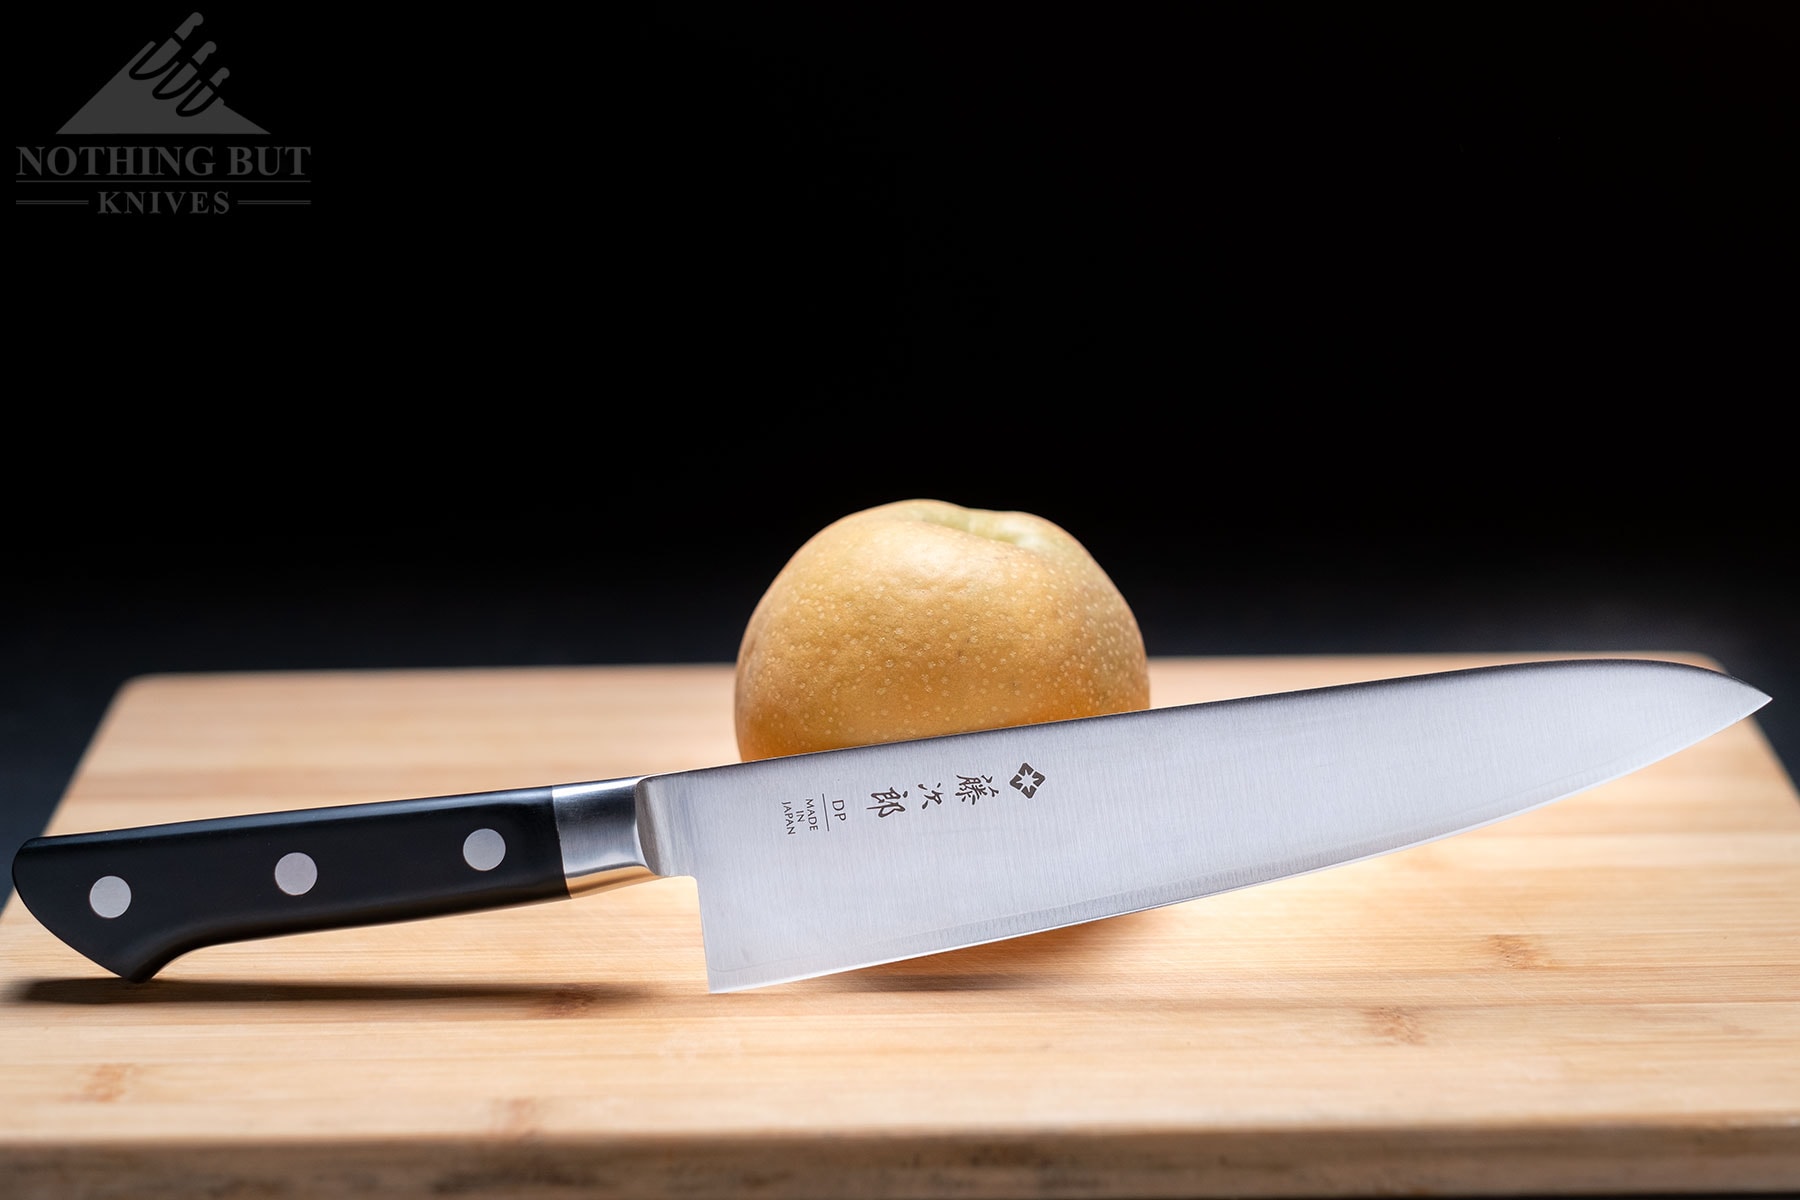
(165, 89)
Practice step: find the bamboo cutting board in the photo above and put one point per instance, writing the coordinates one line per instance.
(1601, 996)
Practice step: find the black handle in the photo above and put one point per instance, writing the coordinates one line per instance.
(134, 899)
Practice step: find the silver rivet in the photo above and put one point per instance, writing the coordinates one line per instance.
(109, 896)
(296, 873)
(484, 849)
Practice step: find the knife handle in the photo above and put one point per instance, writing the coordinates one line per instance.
(134, 899)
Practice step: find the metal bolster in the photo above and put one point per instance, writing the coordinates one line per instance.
(597, 824)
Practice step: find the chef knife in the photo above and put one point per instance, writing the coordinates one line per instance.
(825, 862)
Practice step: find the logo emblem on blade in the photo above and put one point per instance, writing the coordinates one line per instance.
(1028, 780)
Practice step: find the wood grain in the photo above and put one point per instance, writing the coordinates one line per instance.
(1601, 996)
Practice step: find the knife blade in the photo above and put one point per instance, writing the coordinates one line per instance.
(832, 861)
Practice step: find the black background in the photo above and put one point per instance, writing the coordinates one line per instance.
(1328, 329)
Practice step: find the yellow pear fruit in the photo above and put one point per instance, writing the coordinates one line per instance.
(922, 617)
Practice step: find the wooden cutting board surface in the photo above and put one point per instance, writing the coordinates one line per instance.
(1599, 996)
